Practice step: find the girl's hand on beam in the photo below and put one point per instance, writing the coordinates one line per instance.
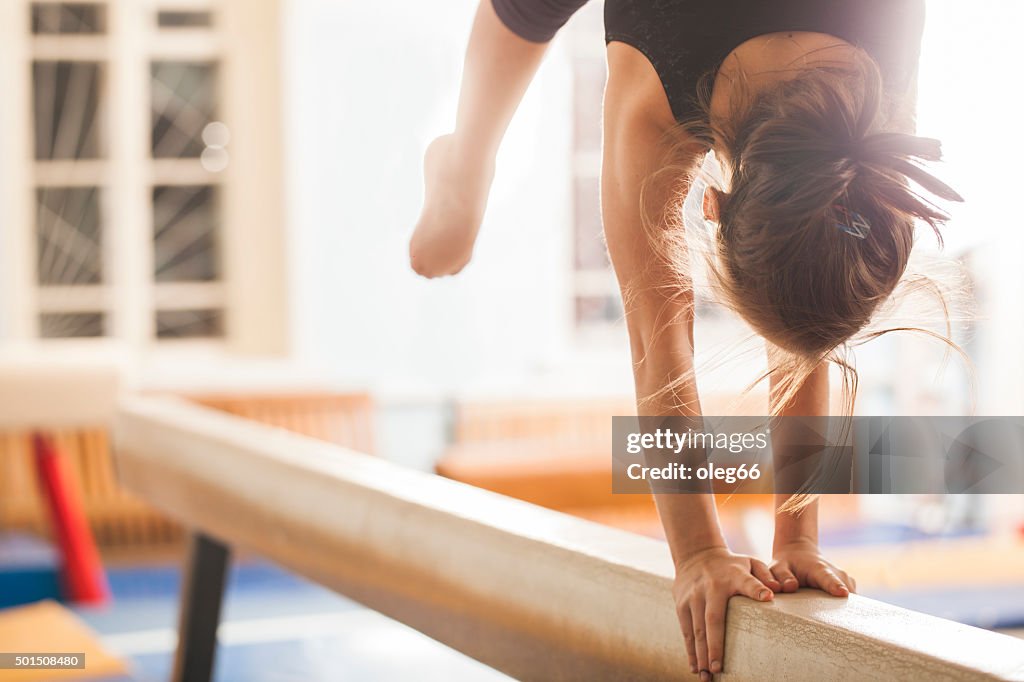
(799, 563)
(705, 581)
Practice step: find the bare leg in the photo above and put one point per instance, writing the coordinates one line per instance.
(459, 167)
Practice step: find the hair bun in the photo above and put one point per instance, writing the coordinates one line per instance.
(902, 145)
(897, 151)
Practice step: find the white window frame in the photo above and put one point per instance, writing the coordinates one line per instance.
(245, 41)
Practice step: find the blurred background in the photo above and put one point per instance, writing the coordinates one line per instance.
(218, 194)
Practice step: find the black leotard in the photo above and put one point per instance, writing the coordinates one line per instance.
(687, 39)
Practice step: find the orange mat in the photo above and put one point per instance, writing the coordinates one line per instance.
(48, 627)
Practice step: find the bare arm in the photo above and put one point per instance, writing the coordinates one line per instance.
(636, 124)
(660, 324)
(797, 559)
(810, 400)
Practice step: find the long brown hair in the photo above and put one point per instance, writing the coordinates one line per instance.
(816, 221)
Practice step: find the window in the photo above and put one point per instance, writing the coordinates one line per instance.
(68, 17)
(597, 304)
(184, 19)
(70, 164)
(131, 128)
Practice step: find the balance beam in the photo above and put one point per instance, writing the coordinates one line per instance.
(56, 392)
(531, 592)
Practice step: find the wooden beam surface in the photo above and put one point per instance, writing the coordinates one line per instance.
(55, 392)
(537, 594)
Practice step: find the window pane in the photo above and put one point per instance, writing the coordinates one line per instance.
(185, 228)
(183, 100)
(591, 253)
(71, 325)
(69, 239)
(66, 104)
(183, 19)
(68, 17)
(184, 324)
(598, 309)
(588, 80)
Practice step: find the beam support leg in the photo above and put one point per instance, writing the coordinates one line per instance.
(202, 592)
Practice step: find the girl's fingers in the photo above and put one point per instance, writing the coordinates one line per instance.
(700, 639)
(846, 579)
(760, 571)
(824, 578)
(714, 618)
(785, 577)
(750, 586)
(686, 623)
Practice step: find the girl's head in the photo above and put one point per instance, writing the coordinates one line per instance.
(815, 214)
(817, 223)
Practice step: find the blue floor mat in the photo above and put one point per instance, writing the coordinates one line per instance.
(992, 607)
(861, 534)
(276, 627)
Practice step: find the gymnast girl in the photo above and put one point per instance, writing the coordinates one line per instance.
(808, 106)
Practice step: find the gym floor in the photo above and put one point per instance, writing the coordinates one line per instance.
(276, 627)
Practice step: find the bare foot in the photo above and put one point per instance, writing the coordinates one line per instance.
(453, 206)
